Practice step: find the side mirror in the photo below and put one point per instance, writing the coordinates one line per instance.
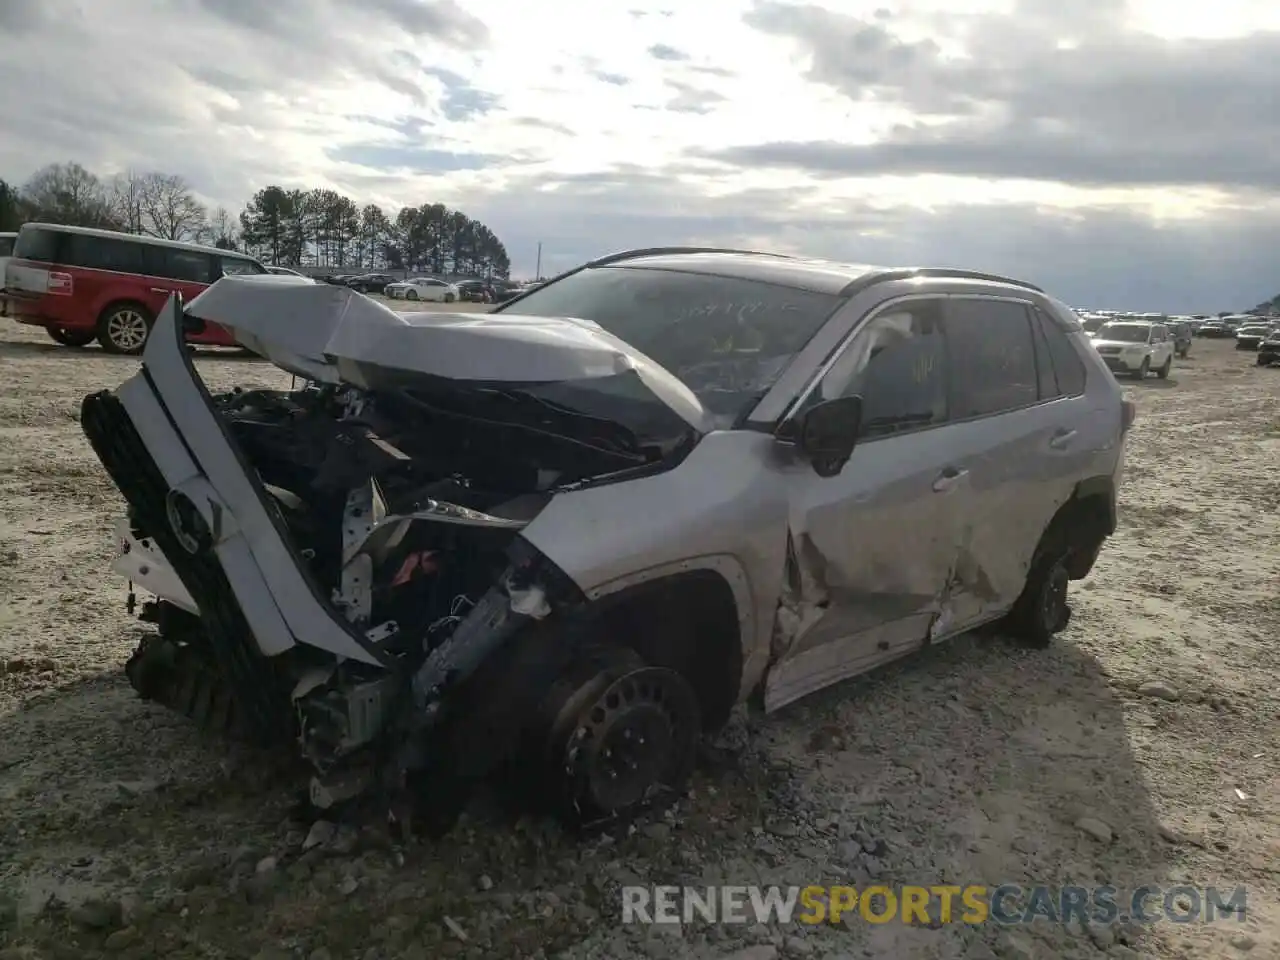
(828, 432)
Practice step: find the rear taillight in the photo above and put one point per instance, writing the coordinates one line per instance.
(60, 284)
(1128, 413)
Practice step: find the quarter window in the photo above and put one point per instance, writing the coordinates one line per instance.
(896, 363)
(992, 357)
(1067, 366)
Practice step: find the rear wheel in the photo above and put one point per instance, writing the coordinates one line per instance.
(1264, 361)
(70, 338)
(123, 328)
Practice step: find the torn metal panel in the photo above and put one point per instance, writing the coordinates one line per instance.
(804, 599)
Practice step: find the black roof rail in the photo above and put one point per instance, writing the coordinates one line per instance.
(661, 251)
(940, 272)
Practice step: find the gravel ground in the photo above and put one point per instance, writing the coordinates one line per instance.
(123, 831)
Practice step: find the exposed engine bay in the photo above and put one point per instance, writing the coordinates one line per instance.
(449, 642)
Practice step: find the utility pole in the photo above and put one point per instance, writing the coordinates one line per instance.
(537, 274)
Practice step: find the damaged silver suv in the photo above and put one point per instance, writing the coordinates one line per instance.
(561, 540)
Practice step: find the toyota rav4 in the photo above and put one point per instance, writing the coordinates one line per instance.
(562, 540)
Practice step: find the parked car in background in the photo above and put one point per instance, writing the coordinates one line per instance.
(82, 284)
(505, 290)
(370, 282)
(422, 288)
(475, 291)
(1269, 348)
(6, 250)
(1135, 347)
(1182, 335)
(1251, 334)
(1215, 330)
(286, 272)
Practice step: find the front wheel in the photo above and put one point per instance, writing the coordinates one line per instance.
(1144, 369)
(70, 338)
(449, 298)
(411, 295)
(123, 329)
(1264, 361)
(1163, 372)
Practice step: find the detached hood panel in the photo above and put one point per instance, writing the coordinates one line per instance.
(333, 334)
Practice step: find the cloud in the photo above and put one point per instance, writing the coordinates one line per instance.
(1055, 91)
(661, 51)
(1116, 152)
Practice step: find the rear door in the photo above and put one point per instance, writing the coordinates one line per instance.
(1017, 432)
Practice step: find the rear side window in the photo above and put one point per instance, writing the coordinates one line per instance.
(37, 244)
(992, 357)
(102, 253)
(6, 246)
(1068, 368)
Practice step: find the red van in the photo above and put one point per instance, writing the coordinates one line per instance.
(82, 284)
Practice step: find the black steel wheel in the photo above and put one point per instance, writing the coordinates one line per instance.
(621, 737)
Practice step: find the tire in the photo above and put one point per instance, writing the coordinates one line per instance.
(449, 298)
(1163, 372)
(411, 294)
(71, 338)
(1264, 361)
(1144, 369)
(516, 718)
(123, 328)
(1041, 610)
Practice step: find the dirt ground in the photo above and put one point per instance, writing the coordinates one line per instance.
(125, 832)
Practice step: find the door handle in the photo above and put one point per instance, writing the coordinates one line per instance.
(161, 290)
(1062, 439)
(948, 478)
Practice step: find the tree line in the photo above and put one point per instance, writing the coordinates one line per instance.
(288, 227)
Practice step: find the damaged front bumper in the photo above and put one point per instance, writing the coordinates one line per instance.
(265, 643)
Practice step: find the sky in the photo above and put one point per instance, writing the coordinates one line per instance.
(1119, 154)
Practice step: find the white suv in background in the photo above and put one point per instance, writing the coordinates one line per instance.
(1135, 347)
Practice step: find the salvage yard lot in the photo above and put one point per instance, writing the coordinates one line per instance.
(1157, 713)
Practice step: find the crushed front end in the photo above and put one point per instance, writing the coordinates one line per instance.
(334, 565)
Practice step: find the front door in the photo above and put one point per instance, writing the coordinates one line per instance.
(872, 548)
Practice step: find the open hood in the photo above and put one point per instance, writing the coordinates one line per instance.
(333, 334)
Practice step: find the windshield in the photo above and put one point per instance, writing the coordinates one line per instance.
(1125, 332)
(728, 339)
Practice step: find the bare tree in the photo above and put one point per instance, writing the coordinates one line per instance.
(224, 229)
(68, 193)
(169, 209)
(125, 199)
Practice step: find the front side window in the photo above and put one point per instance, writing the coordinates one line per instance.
(991, 357)
(727, 338)
(897, 364)
(189, 265)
